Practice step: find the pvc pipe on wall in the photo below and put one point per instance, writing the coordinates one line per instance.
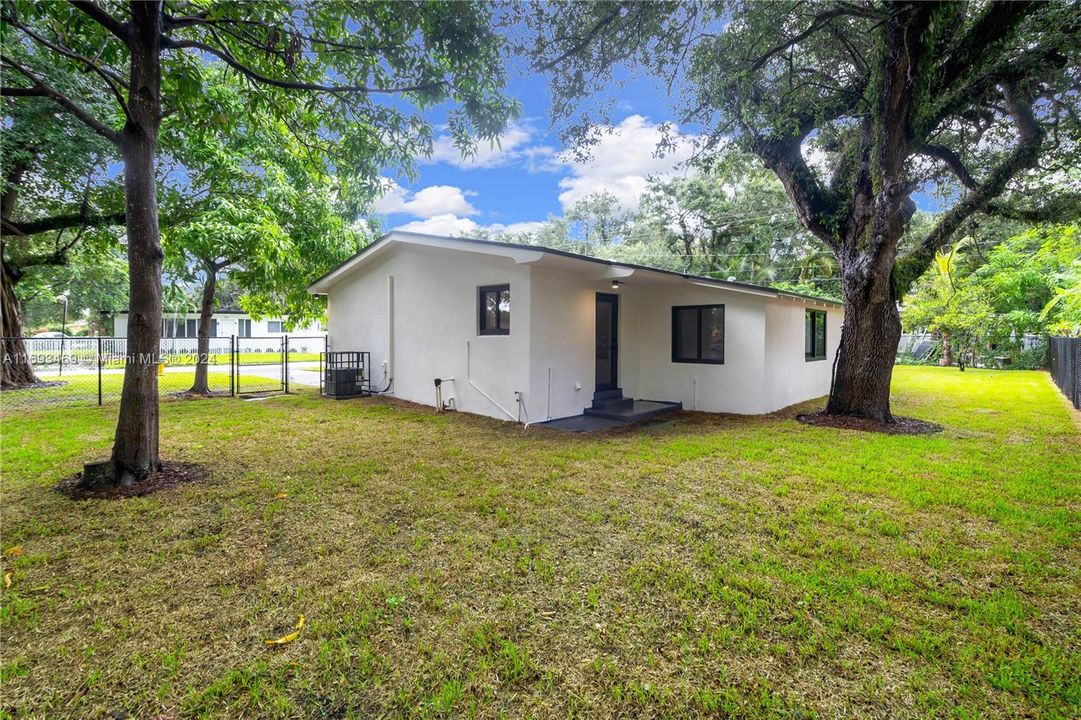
(469, 379)
(390, 329)
(548, 411)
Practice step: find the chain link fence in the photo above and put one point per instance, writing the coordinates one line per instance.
(1065, 361)
(90, 370)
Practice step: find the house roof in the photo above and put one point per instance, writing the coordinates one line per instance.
(532, 253)
(166, 313)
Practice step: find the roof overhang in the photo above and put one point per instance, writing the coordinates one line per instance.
(599, 268)
(384, 244)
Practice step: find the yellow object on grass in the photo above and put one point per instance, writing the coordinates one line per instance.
(284, 639)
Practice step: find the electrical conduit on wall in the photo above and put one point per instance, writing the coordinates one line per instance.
(389, 370)
(469, 379)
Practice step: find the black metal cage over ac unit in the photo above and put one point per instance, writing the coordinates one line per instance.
(346, 374)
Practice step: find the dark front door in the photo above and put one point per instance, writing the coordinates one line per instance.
(607, 341)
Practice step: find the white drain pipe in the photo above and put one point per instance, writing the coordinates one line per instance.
(469, 379)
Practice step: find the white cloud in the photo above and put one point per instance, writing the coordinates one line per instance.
(512, 146)
(429, 202)
(446, 224)
(621, 161)
(451, 225)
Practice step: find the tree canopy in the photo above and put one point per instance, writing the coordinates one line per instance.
(855, 106)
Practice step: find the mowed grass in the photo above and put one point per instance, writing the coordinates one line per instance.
(82, 387)
(455, 566)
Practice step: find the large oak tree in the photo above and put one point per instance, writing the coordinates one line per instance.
(975, 101)
(345, 77)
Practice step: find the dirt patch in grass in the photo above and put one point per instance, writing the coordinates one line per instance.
(37, 385)
(899, 426)
(170, 475)
(189, 395)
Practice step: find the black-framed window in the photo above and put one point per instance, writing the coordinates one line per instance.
(493, 309)
(698, 334)
(814, 335)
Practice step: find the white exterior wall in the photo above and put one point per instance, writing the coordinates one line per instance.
(228, 324)
(563, 321)
(735, 386)
(790, 377)
(414, 308)
(427, 325)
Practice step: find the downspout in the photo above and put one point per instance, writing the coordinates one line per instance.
(388, 372)
(469, 379)
(548, 410)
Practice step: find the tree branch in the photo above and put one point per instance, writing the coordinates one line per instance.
(111, 79)
(599, 26)
(227, 57)
(815, 205)
(64, 101)
(107, 21)
(820, 20)
(61, 222)
(953, 162)
(1022, 157)
(6, 91)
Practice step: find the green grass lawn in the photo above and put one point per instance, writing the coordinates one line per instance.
(81, 387)
(451, 565)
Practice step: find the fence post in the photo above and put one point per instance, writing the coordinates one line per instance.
(285, 363)
(99, 370)
(232, 377)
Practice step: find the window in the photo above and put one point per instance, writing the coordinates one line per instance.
(244, 328)
(213, 328)
(698, 334)
(193, 328)
(274, 326)
(814, 335)
(493, 302)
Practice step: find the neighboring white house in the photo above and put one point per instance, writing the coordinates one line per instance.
(531, 334)
(223, 324)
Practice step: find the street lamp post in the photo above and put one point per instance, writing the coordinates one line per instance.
(63, 329)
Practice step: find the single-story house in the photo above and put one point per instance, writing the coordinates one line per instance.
(531, 334)
(223, 324)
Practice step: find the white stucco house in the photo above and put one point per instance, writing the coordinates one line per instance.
(223, 324)
(532, 334)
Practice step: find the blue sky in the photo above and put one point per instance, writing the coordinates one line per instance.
(529, 177)
(518, 185)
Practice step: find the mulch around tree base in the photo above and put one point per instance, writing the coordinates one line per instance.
(899, 426)
(170, 475)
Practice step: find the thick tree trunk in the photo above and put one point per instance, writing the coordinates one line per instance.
(865, 358)
(17, 369)
(947, 352)
(201, 384)
(135, 445)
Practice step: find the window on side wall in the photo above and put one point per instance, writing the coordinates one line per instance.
(493, 307)
(814, 335)
(244, 328)
(698, 334)
(274, 326)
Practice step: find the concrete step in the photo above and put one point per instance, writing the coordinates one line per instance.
(610, 400)
(634, 410)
